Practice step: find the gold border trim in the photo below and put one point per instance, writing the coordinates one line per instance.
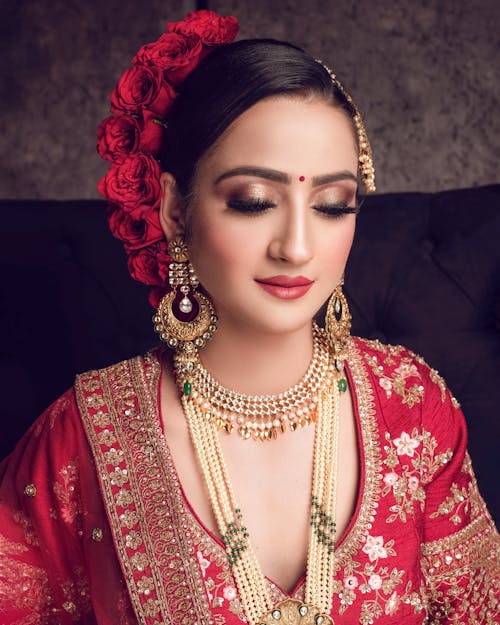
(120, 415)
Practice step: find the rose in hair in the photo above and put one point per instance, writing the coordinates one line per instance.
(135, 233)
(149, 265)
(133, 184)
(212, 29)
(117, 137)
(142, 87)
(177, 55)
(132, 139)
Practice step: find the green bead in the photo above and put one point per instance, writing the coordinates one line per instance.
(188, 388)
(342, 384)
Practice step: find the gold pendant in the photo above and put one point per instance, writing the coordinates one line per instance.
(294, 612)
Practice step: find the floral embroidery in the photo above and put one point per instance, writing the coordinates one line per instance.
(375, 549)
(204, 563)
(30, 536)
(453, 505)
(379, 583)
(397, 382)
(414, 455)
(405, 445)
(219, 585)
(67, 492)
(461, 572)
(351, 582)
(31, 582)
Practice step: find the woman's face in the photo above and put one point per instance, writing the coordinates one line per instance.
(269, 225)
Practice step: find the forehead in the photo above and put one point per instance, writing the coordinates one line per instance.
(291, 134)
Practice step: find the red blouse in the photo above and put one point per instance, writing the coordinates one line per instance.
(95, 527)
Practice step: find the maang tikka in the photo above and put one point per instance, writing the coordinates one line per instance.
(185, 319)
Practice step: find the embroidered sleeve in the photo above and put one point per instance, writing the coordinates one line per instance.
(460, 553)
(42, 574)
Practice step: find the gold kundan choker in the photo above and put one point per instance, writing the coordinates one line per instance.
(317, 394)
(263, 417)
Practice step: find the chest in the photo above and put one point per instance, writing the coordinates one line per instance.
(272, 485)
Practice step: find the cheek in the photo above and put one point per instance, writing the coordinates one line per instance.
(217, 251)
(336, 248)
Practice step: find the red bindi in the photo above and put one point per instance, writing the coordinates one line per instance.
(302, 178)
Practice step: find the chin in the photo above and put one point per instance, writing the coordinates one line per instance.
(278, 321)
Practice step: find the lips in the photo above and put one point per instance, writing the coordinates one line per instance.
(285, 287)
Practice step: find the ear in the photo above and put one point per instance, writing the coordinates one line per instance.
(171, 209)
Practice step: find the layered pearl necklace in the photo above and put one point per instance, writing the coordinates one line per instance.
(318, 392)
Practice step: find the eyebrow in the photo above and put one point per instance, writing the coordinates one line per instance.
(279, 176)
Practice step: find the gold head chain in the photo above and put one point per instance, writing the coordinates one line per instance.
(365, 158)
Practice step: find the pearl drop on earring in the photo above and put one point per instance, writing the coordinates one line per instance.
(185, 305)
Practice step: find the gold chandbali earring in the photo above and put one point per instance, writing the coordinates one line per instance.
(185, 318)
(338, 327)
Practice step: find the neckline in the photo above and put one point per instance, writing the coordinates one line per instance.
(364, 510)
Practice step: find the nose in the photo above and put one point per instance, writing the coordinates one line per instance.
(292, 239)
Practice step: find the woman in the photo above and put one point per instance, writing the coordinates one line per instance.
(162, 489)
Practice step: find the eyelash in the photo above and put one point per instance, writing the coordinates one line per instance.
(250, 206)
(258, 206)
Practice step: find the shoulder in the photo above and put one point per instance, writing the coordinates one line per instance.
(147, 362)
(408, 392)
(402, 372)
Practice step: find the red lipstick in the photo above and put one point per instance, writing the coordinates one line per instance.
(285, 287)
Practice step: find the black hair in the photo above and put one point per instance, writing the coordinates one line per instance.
(226, 83)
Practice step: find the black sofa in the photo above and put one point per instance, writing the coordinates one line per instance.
(424, 272)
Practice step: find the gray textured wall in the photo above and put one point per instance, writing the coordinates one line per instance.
(425, 74)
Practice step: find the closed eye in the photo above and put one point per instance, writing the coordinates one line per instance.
(336, 210)
(250, 206)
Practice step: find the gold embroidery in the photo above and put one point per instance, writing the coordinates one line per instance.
(106, 437)
(381, 583)
(415, 456)
(397, 381)
(57, 409)
(461, 573)
(30, 490)
(453, 505)
(438, 380)
(77, 594)
(32, 591)
(113, 456)
(67, 492)
(30, 535)
(157, 549)
(26, 588)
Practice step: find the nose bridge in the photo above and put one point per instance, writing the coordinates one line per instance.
(295, 236)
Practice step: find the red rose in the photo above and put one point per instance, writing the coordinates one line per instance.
(117, 137)
(139, 87)
(133, 184)
(211, 28)
(136, 233)
(177, 55)
(150, 265)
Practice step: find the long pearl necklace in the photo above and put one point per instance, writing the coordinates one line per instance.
(250, 580)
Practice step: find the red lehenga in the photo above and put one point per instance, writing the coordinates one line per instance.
(95, 527)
